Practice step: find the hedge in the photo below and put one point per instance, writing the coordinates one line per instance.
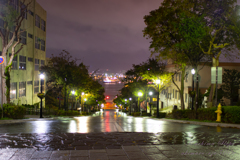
(13, 111)
(230, 114)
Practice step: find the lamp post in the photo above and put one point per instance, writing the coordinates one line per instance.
(42, 78)
(150, 94)
(82, 101)
(158, 83)
(130, 99)
(139, 95)
(193, 72)
(73, 92)
(125, 103)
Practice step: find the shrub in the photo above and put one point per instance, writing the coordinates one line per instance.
(162, 114)
(136, 114)
(207, 114)
(13, 111)
(231, 114)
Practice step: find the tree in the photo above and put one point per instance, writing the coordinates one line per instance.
(231, 82)
(11, 18)
(164, 28)
(63, 72)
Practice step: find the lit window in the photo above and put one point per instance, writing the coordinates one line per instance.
(22, 62)
(22, 89)
(13, 90)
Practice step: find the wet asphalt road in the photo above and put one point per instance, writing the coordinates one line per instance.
(109, 121)
(110, 130)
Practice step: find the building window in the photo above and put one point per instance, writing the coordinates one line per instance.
(36, 64)
(173, 93)
(37, 45)
(43, 25)
(42, 45)
(179, 96)
(29, 82)
(179, 77)
(36, 86)
(30, 12)
(30, 59)
(2, 26)
(24, 9)
(37, 21)
(15, 4)
(22, 62)
(14, 62)
(176, 77)
(42, 62)
(186, 97)
(24, 37)
(30, 35)
(22, 89)
(13, 90)
(43, 87)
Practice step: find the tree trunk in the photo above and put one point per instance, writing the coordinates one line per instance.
(182, 88)
(3, 87)
(213, 86)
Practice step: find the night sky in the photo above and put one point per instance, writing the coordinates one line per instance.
(104, 34)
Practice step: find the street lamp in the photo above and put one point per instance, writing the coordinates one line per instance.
(193, 72)
(42, 78)
(150, 94)
(125, 103)
(158, 82)
(73, 92)
(139, 95)
(82, 101)
(130, 99)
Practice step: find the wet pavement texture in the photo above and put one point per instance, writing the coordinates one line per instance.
(157, 152)
(111, 130)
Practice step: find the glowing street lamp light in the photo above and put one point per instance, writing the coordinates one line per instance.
(42, 79)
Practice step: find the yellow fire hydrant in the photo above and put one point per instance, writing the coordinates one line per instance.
(219, 112)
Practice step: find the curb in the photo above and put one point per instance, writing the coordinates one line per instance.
(227, 125)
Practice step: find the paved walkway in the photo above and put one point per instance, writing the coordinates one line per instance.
(157, 152)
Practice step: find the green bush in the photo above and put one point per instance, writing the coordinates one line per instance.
(136, 114)
(162, 114)
(85, 113)
(207, 114)
(145, 114)
(230, 114)
(13, 111)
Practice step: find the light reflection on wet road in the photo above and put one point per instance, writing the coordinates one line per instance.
(109, 121)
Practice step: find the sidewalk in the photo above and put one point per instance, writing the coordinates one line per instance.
(157, 152)
(203, 123)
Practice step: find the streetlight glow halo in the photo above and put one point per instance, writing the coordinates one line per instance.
(193, 71)
(42, 76)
